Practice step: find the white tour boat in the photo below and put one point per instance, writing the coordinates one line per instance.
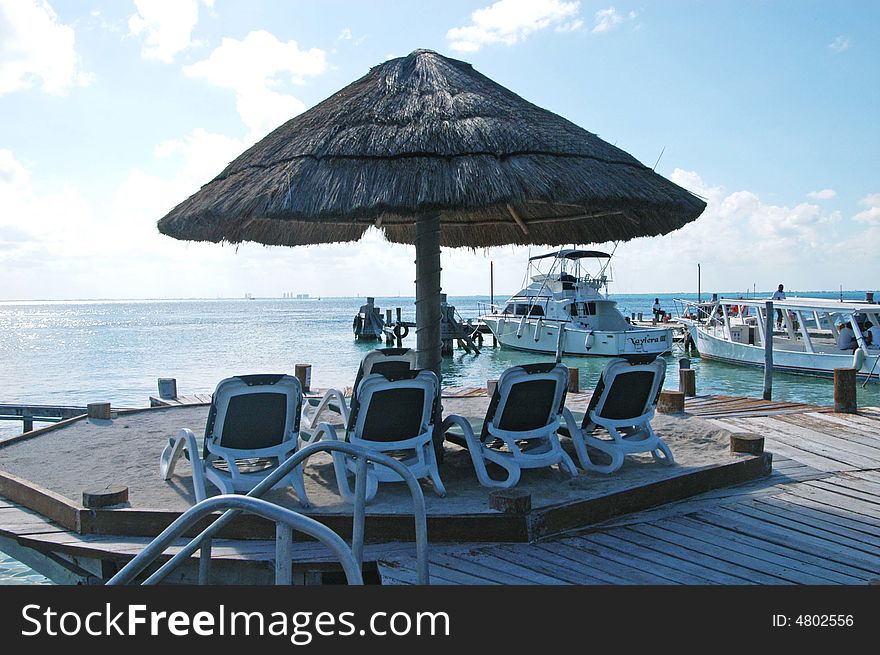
(805, 340)
(563, 311)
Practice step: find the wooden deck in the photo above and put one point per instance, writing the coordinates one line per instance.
(815, 520)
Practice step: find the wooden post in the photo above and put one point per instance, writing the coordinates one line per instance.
(27, 421)
(492, 285)
(490, 387)
(574, 380)
(388, 322)
(687, 382)
(746, 442)
(428, 303)
(114, 494)
(167, 388)
(513, 501)
(98, 410)
(845, 390)
(303, 373)
(670, 402)
(768, 351)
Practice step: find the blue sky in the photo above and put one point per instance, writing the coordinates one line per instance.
(113, 112)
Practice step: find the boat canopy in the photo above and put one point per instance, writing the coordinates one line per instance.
(570, 253)
(811, 304)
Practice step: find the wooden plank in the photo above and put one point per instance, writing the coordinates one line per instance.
(825, 445)
(819, 513)
(782, 535)
(476, 571)
(560, 519)
(714, 557)
(792, 522)
(846, 488)
(832, 424)
(791, 562)
(791, 448)
(594, 557)
(535, 560)
(861, 484)
(831, 499)
(559, 551)
(48, 503)
(858, 454)
(495, 562)
(681, 571)
(404, 573)
(629, 556)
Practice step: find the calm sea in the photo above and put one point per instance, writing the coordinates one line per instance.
(73, 353)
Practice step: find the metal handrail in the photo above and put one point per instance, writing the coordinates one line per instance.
(231, 502)
(363, 455)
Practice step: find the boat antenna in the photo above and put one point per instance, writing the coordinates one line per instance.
(662, 150)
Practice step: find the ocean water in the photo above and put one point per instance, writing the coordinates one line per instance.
(77, 352)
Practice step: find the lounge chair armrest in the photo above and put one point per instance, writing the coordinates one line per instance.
(324, 430)
(571, 425)
(454, 420)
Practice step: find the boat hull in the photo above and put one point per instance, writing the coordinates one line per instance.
(542, 336)
(816, 364)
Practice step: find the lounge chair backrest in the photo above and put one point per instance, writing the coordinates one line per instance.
(393, 407)
(250, 412)
(526, 398)
(627, 390)
(386, 361)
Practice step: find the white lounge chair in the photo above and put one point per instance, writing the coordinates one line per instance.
(623, 403)
(253, 426)
(519, 430)
(392, 412)
(381, 360)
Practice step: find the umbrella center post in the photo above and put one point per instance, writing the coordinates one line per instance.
(428, 302)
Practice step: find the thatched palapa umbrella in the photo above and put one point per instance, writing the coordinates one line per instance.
(433, 153)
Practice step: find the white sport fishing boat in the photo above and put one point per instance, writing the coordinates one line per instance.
(564, 311)
(805, 334)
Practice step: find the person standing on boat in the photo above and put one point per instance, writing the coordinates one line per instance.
(657, 309)
(846, 338)
(779, 294)
(872, 335)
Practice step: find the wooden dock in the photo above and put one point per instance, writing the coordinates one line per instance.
(814, 520)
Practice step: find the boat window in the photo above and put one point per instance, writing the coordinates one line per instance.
(510, 309)
(536, 310)
(582, 309)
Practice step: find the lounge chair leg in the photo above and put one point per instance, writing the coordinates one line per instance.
(433, 472)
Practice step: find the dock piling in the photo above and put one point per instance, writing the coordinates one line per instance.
(98, 410)
(687, 381)
(768, 350)
(845, 390)
(671, 402)
(574, 379)
(303, 373)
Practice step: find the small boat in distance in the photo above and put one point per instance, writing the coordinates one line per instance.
(805, 339)
(563, 311)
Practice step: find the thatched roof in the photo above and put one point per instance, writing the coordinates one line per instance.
(425, 133)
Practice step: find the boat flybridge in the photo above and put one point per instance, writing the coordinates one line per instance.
(805, 337)
(563, 310)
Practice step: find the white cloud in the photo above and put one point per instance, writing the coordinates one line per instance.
(871, 215)
(35, 47)
(606, 19)
(166, 25)
(255, 68)
(824, 194)
(344, 35)
(511, 21)
(839, 44)
(740, 240)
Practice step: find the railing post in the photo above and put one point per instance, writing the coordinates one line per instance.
(360, 502)
(768, 352)
(205, 562)
(283, 554)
